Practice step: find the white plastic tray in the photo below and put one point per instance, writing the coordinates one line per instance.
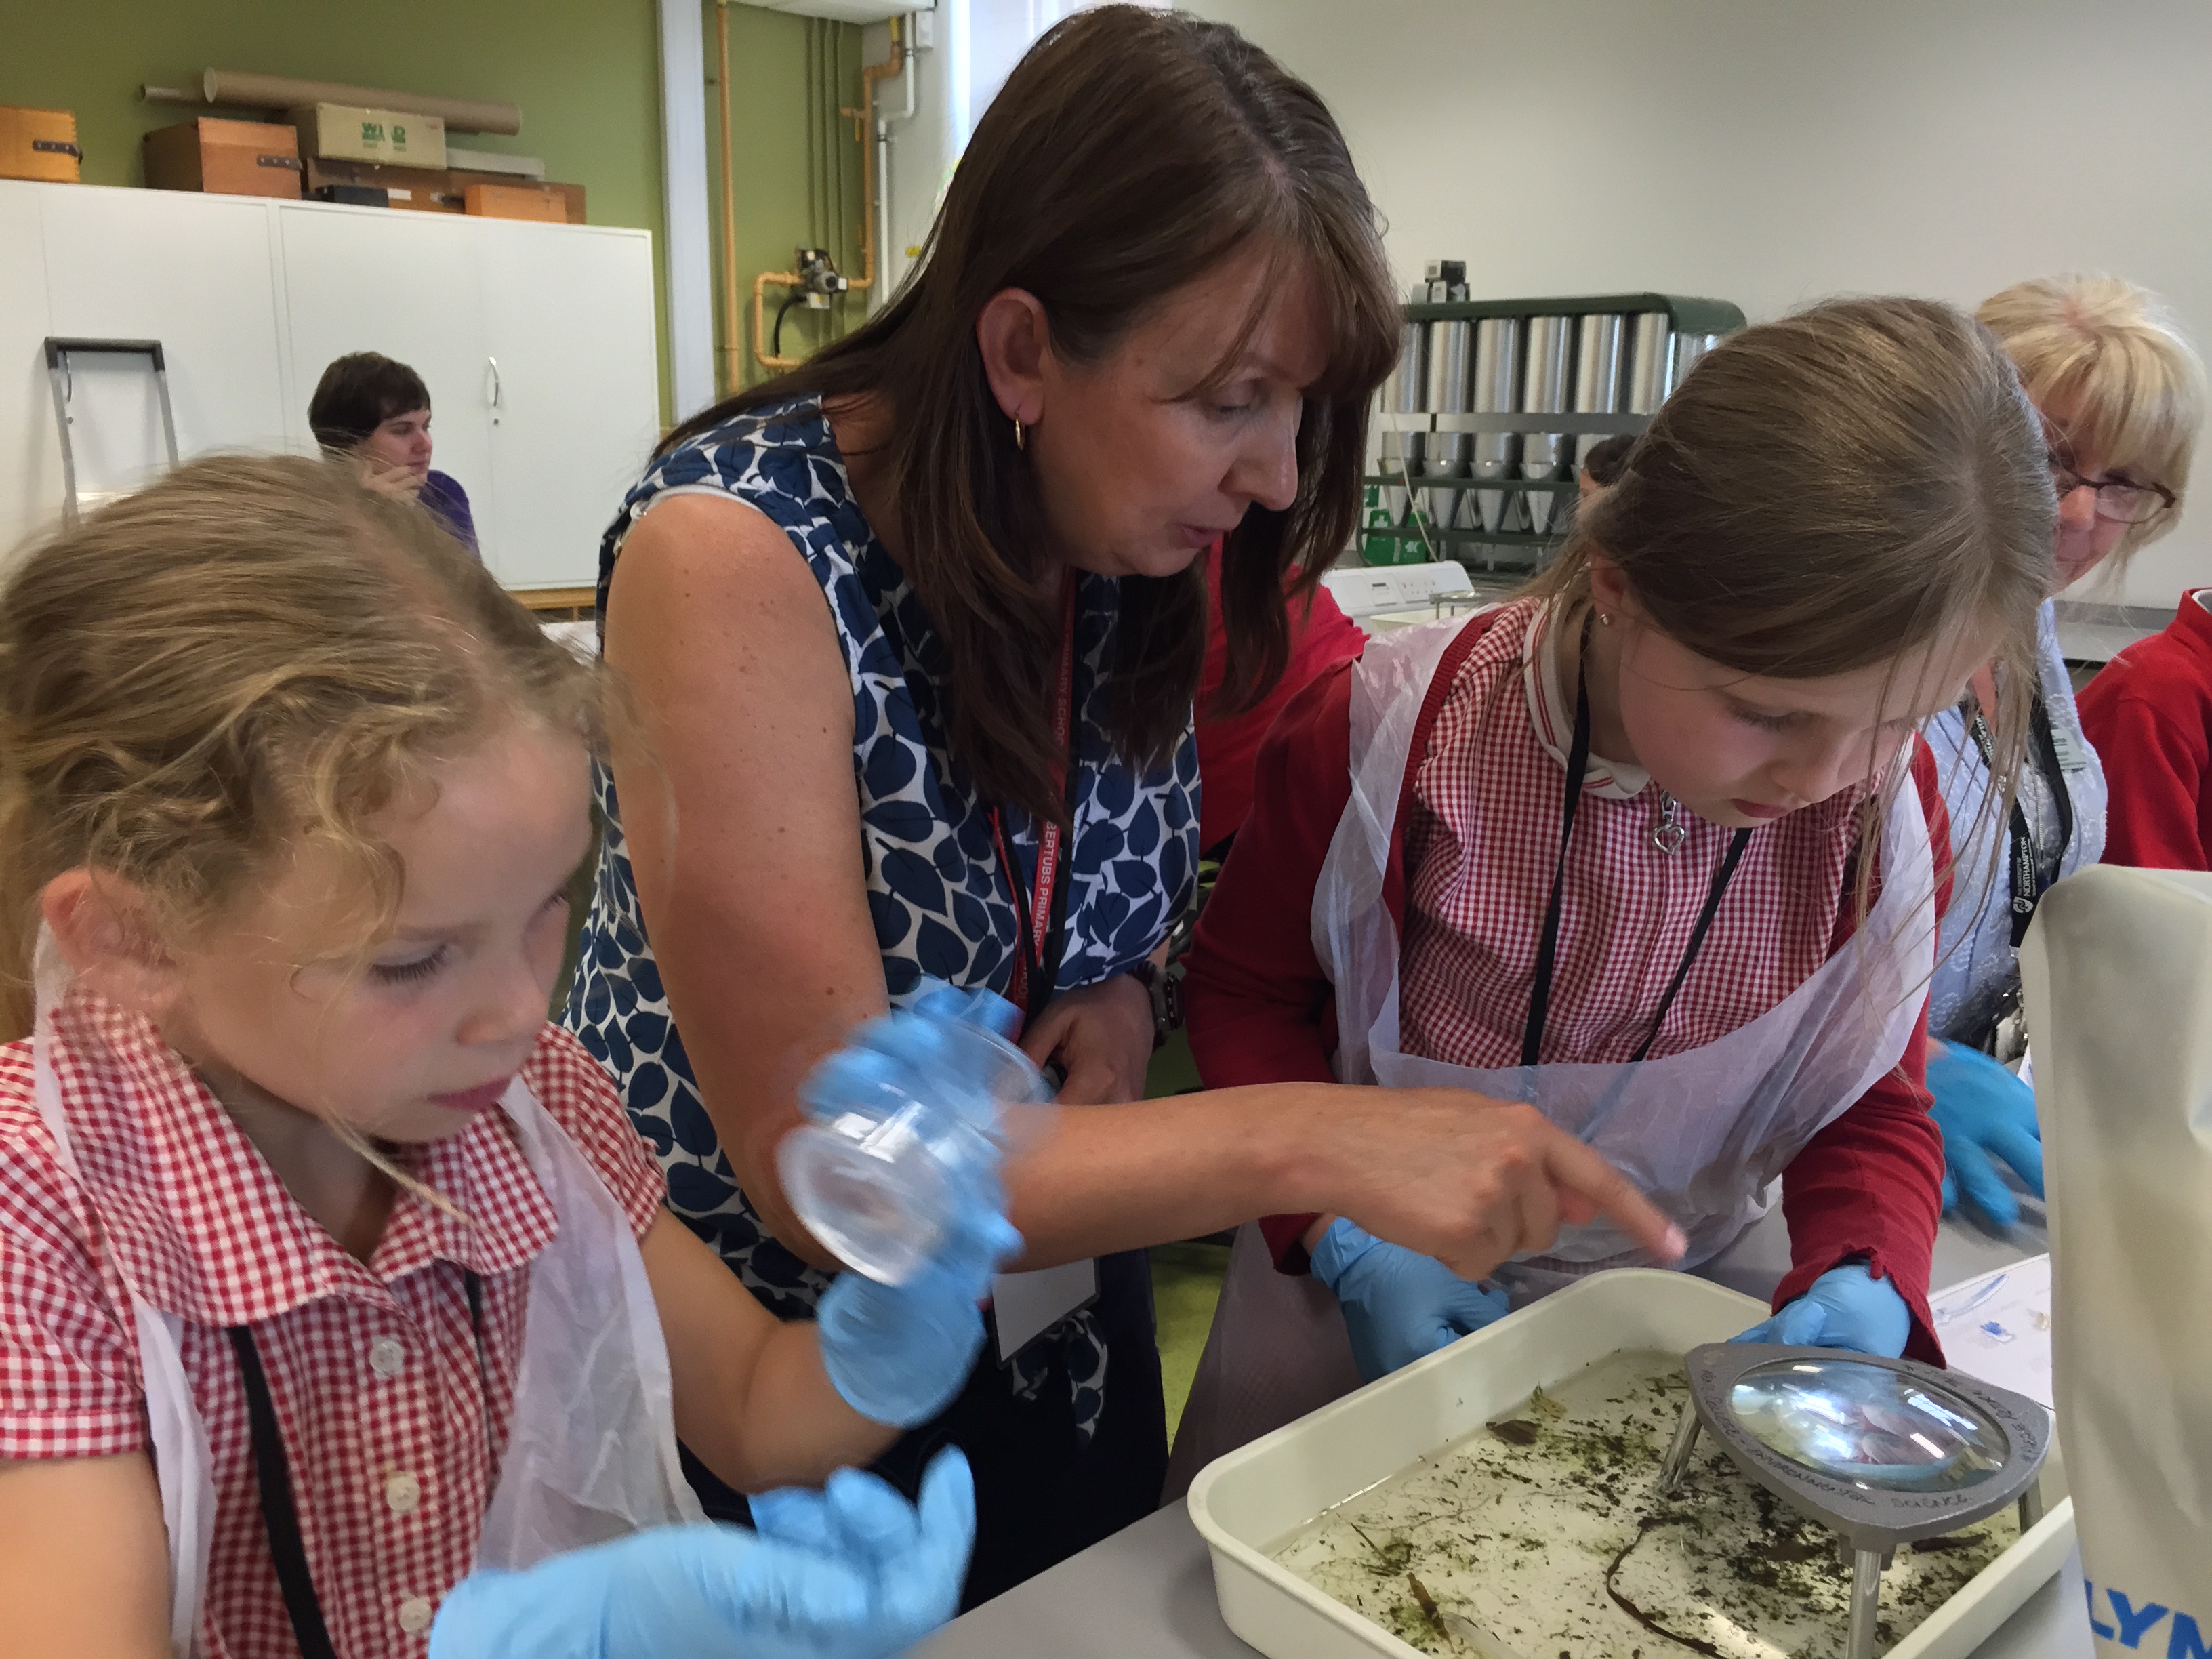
(1248, 1502)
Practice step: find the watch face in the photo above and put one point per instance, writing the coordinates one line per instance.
(1871, 1425)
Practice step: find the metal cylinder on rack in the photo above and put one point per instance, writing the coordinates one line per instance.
(1496, 391)
(1650, 362)
(1444, 453)
(1597, 374)
(1401, 395)
(1688, 348)
(1543, 386)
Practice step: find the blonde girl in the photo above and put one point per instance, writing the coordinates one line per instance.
(1655, 849)
(2121, 395)
(329, 1270)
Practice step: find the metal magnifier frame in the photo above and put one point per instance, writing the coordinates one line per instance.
(1871, 1519)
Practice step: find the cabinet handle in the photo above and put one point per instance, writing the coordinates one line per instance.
(495, 388)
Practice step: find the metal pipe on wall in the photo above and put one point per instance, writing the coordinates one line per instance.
(904, 55)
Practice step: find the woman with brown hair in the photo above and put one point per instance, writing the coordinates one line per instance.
(913, 634)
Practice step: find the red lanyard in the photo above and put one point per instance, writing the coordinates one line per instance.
(1036, 915)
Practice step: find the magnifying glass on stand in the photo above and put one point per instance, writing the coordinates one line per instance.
(1883, 1452)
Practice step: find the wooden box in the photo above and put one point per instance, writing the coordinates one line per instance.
(422, 190)
(346, 132)
(514, 199)
(38, 144)
(229, 158)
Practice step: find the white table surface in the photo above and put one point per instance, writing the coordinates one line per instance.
(1148, 1590)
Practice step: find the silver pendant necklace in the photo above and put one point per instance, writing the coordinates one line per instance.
(1668, 835)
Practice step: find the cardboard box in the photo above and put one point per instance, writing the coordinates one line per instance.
(420, 190)
(38, 144)
(347, 132)
(555, 204)
(231, 158)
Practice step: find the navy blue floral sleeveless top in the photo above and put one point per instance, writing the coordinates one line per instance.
(939, 900)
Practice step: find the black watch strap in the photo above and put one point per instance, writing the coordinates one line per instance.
(1165, 985)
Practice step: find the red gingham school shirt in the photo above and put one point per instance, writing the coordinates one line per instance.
(1479, 879)
(1263, 1010)
(388, 1420)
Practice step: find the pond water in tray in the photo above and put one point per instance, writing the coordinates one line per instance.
(1543, 1534)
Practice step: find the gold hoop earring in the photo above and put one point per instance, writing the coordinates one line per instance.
(1017, 433)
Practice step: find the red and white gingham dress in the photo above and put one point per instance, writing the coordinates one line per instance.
(1479, 849)
(391, 1426)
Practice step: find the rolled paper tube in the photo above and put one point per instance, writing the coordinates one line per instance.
(241, 90)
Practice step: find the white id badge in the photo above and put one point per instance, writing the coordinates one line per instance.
(2069, 749)
(1026, 1305)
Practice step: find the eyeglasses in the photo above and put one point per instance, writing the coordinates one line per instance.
(2117, 500)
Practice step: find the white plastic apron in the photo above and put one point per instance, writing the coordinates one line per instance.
(1702, 1133)
(591, 1451)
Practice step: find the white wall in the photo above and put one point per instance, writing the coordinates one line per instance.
(1772, 152)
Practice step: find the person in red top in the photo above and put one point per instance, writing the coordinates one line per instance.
(2149, 715)
(340, 1310)
(1651, 849)
(1322, 636)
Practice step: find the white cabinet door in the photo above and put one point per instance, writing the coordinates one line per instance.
(30, 456)
(405, 285)
(569, 314)
(192, 271)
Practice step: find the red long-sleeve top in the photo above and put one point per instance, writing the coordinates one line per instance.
(1260, 1009)
(2149, 715)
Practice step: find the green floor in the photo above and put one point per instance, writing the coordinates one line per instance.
(1185, 1278)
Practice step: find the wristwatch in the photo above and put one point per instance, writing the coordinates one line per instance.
(1165, 985)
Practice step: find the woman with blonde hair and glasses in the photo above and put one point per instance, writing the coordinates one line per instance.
(2122, 395)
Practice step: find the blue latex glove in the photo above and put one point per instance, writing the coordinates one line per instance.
(1846, 1308)
(850, 1572)
(1397, 1305)
(899, 1354)
(1986, 1114)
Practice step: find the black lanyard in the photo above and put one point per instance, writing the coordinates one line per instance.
(2028, 885)
(272, 1475)
(1548, 947)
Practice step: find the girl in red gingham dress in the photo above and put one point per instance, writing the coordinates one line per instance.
(336, 1291)
(1648, 850)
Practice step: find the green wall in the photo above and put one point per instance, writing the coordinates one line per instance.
(796, 175)
(585, 74)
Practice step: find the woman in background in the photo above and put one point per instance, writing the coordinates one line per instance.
(378, 411)
(2122, 395)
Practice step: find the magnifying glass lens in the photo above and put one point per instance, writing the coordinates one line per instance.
(1867, 1425)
